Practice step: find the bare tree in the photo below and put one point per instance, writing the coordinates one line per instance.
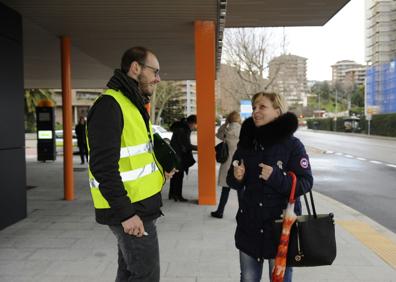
(247, 53)
(165, 92)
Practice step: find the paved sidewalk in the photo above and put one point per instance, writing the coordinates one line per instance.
(60, 241)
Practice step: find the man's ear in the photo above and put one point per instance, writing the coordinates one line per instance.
(134, 69)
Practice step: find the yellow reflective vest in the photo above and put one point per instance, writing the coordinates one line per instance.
(140, 173)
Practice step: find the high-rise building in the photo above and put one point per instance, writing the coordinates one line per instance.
(340, 68)
(187, 87)
(288, 76)
(356, 76)
(380, 31)
(381, 56)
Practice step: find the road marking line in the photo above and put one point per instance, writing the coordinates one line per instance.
(359, 158)
(374, 240)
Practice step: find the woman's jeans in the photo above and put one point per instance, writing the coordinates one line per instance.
(138, 257)
(251, 269)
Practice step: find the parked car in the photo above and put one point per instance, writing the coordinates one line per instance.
(165, 134)
(59, 140)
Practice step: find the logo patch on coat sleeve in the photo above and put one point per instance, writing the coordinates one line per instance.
(304, 163)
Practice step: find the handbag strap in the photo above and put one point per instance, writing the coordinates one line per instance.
(292, 198)
(313, 204)
(306, 204)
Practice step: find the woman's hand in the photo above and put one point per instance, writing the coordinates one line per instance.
(168, 175)
(239, 170)
(266, 171)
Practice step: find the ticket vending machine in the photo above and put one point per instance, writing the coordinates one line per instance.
(46, 145)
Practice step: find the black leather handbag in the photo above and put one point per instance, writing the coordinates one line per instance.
(221, 152)
(165, 154)
(312, 238)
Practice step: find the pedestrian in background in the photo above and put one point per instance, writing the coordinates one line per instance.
(124, 177)
(81, 139)
(266, 151)
(181, 143)
(228, 133)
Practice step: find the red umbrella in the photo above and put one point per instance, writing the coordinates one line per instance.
(289, 217)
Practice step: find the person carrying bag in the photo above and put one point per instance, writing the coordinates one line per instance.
(305, 240)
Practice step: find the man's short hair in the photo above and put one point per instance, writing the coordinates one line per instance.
(134, 54)
(192, 119)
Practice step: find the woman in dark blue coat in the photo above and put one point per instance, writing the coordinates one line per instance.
(266, 151)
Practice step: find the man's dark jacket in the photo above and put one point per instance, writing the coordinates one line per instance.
(181, 143)
(80, 133)
(105, 125)
(262, 201)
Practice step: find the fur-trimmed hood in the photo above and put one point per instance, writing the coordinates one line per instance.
(269, 134)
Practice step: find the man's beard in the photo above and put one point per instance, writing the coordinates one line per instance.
(143, 86)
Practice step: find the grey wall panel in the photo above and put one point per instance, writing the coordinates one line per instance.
(12, 138)
(12, 186)
(10, 26)
(11, 84)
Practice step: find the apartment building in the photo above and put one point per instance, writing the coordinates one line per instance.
(288, 76)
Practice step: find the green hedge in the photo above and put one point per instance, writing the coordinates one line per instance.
(383, 125)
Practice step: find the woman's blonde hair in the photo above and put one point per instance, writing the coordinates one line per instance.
(233, 117)
(278, 101)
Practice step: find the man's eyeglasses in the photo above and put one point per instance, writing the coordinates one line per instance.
(155, 70)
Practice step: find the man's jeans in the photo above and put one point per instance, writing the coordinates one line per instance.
(251, 269)
(138, 257)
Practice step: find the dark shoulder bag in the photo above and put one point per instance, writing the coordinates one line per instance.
(221, 152)
(312, 238)
(165, 154)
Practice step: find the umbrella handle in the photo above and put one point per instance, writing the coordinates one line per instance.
(293, 189)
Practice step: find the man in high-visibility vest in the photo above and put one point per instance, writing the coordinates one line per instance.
(125, 178)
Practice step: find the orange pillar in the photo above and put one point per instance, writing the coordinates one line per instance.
(206, 108)
(68, 176)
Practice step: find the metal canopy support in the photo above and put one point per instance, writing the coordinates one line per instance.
(68, 176)
(205, 86)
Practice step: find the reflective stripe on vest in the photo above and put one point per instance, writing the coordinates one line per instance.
(134, 150)
(140, 174)
(129, 175)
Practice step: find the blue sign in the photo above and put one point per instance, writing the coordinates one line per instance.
(246, 108)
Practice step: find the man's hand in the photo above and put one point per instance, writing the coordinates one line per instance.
(266, 171)
(133, 226)
(239, 170)
(168, 175)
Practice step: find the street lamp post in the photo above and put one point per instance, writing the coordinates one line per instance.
(335, 109)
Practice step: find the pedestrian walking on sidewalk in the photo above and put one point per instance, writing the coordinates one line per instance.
(228, 133)
(181, 143)
(266, 151)
(81, 140)
(124, 177)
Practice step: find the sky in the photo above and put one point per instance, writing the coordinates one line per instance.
(341, 38)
